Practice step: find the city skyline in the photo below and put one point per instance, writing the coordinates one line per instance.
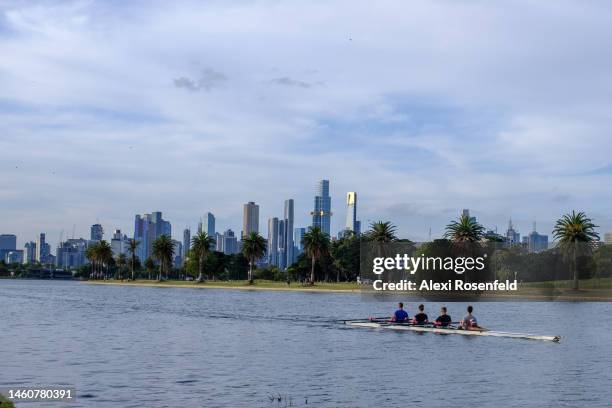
(170, 120)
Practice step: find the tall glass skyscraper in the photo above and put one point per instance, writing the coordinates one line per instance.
(351, 213)
(250, 218)
(321, 215)
(147, 228)
(208, 224)
(288, 235)
(273, 241)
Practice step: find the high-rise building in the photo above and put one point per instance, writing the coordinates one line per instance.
(218, 242)
(208, 224)
(351, 213)
(512, 236)
(178, 253)
(147, 228)
(230, 242)
(29, 253)
(536, 242)
(321, 214)
(186, 242)
(282, 241)
(8, 242)
(119, 243)
(250, 218)
(15, 256)
(71, 253)
(608, 238)
(273, 241)
(298, 235)
(42, 249)
(97, 232)
(289, 218)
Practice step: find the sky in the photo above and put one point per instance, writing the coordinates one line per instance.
(109, 109)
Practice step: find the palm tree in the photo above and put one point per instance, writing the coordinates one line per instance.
(92, 254)
(316, 244)
(104, 255)
(163, 251)
(571, 230)
(382, 232)
(201, 244)
(149, 266)
(253, 248)
(121, 263)
(466, 230)
(132, 246)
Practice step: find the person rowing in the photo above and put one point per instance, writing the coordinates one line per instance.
(400, 315)
(420, 318)
(469, 321)
(444, 319)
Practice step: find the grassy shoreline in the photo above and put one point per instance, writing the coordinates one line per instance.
(341, 287)
(537, 291)
(5, 403)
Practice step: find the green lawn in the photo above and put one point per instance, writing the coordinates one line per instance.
(603, 284)
(4, 403)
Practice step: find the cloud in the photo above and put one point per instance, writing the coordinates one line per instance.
(208, 80)
(286, 81)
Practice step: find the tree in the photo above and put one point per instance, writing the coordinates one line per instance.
(576, 234)
(466, 230)
(200, 246)
(121, 263)
(253, 248)
(382, 232)
(132, 247)
(163, 251)
(149, 266)
(316, 244)
(92, 254)
(345, 254)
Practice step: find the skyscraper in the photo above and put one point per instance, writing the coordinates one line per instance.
(281, 244)
(351, 213)
(8, 243)
(298, 235)
(119, 243)
(187, 242)
(42, 249)
(29, 253)
(321, 215)
(96, 232)
(208, 224)
(536, 242)
(512, 236)
(147, 228)
(250, 218)
(230, 242)
(288, 233)
(273, 241)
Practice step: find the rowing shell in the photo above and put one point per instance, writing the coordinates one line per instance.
(441, 330)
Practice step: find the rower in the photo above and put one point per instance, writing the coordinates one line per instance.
(400, 315)
(469, 322)
(420, 318)
(443, 320)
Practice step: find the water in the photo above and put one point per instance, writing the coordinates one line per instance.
(176, 347)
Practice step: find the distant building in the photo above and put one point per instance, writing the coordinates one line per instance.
(119, 243)
(288, 221)
(147, 228)
(208, 224)
(218, 242)
(29, 253)
(43, 250)
(250, 218)
(512, 236)
(351, 213)
(230, 243)
(298, 235)
(178, 253)
(14, 256)
(97, 232)
(608, 238)
(186, 243)
(71, 254)
(321, 214)
(8, 243)
(273, 241)
(536, 242)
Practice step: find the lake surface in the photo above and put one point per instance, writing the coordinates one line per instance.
(125, 346)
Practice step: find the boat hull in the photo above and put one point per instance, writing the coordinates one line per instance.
(440, 330)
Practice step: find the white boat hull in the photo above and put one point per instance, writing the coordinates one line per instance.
(440, 330)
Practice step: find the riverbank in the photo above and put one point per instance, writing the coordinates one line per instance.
(5, 403)
(340, 287)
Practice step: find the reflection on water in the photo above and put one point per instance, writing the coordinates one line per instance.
(155, 347)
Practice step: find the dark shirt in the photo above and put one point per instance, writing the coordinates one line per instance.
(444, 320)
(400, 315)
(420, 318)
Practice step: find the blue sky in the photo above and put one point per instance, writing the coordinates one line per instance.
(423, 108)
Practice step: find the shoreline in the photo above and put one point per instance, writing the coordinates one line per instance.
(241, 286)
